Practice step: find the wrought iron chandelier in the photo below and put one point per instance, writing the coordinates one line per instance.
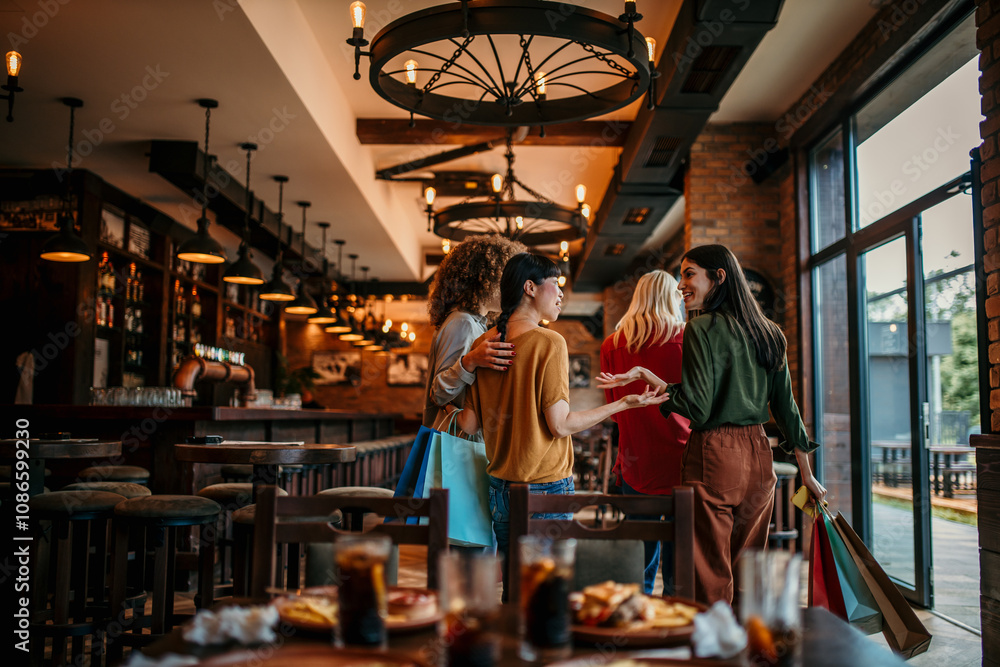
(534, 222)
(508, 62)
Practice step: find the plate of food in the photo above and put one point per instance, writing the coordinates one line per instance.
(623, 614)
(315, 609)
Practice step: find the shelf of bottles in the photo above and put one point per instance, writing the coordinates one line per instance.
(244, 316)
(191, 322)
(134, 324)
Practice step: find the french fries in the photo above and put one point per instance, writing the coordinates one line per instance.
(597, 605)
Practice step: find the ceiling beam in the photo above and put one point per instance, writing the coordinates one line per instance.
(384, 131)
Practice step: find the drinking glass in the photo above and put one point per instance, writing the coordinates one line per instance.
(546, 580)
(469, 631)
(769, 607)
(363, 607)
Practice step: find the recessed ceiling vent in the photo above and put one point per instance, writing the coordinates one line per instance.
(614, 250)
(709, 68)
(636, 216)
(663, 151)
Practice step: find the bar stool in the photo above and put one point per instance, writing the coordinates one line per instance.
(319, 555)
(76, 521)
(231, 496)
(134, 474)
(126, 489)
(160, 518)
(783, 533)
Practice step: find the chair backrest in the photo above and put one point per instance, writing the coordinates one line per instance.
(304, 519)
(677, 526)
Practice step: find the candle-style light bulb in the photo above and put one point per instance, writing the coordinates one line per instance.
(445, 246)
(520, 222)
(411, 72)
(585, 211)
(496, 182)
(13, 60)
(412, 336)
(429, 195)
(651, 49)
(358, 11)
(540, 84)
(581, 193)
(403, 327)
(564, 246)
(388, 324)
(562, 281)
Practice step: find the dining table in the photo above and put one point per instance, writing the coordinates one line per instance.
(265, 457)
(38, 451)
(827, 641)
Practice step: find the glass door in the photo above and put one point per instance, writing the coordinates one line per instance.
(891, 334)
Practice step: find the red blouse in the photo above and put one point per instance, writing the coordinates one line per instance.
(650, 446)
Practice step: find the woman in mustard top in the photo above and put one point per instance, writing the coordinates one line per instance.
(733, 369)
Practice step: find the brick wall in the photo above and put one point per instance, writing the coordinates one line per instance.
(988, 41)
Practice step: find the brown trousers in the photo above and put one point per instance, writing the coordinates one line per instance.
(729, 468)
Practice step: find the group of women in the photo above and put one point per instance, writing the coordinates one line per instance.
(690, 400)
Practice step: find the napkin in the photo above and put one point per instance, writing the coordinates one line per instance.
(716, 632)
(246, 625)
(166, 660)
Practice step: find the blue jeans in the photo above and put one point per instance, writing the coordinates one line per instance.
(500, 508)
(652, 553)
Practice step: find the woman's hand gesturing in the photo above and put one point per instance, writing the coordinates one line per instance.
(651, 396)
(609, 380)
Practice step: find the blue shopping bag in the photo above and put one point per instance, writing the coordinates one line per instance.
(458, 463)
(412, 479)
(859, 603)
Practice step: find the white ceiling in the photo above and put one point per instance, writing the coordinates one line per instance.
(282, 74)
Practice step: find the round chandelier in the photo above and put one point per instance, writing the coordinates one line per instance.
(535, 222)
(508, 62)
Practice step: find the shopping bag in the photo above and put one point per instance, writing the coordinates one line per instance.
(862, 610)
(458, 463)
(824, 584)
(411, 480)
(902, 629)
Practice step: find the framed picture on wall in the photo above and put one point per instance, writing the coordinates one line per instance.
(335, 367)
(579, 371)
(407, 370)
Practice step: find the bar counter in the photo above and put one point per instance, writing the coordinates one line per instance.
(148, 434)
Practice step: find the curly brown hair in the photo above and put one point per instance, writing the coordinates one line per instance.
(470, 274)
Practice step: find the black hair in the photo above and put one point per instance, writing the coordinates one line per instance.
(520, 269)
(733, 297)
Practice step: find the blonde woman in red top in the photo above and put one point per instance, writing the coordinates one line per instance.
(650, 446)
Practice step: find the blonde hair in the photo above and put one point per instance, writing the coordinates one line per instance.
(653, 315)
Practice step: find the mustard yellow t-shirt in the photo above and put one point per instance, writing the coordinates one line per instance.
(510, 406)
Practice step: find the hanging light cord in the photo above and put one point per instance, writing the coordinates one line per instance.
(281, 203)
(246, 218)
(69, 145)
(204, 186)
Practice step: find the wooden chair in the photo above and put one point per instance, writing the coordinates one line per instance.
(677, 527)
(303, 519)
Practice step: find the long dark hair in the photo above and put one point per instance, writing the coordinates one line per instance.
(520, 269)
(733, 296)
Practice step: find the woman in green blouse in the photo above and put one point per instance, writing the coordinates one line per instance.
(733, 368)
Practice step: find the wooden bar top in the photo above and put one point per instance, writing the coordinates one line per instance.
(985, 441)
(206, 413)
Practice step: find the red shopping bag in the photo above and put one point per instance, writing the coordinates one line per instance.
(824, 584)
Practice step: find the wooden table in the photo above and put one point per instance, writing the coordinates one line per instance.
(827, 642)
(100, 452)
(265, 457)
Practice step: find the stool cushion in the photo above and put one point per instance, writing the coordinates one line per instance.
(168, 507)
(358, 491)
(784, 469)
(232, 495)
(68, 503)
(114, 474)
(245, 515)
(237, 470)
(126, 489)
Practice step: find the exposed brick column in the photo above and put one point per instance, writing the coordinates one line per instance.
(988, 41)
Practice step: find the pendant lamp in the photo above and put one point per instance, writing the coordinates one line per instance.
(243, 271)
(66, 246)
(303, 303)
(341, 325)
(277, 289)
(202, 248)
(355, 331)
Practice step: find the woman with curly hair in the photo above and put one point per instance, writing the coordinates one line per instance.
(465, 290)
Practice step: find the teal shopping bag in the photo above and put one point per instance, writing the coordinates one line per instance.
(412, 479)
(862, 610)
(458, 463)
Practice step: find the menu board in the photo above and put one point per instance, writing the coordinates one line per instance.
(138, 239)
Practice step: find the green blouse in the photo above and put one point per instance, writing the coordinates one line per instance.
(722, 383)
